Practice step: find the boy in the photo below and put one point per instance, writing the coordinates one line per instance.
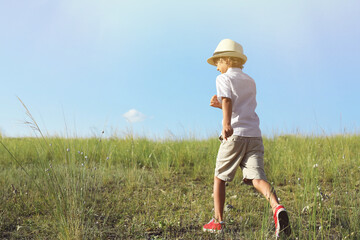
(241, 141)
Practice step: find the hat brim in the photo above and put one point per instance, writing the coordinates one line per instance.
(227, 54)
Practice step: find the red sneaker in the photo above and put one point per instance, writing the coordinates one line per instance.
(281, 221)
(213, 227)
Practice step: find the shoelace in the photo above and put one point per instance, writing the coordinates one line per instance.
(222, 222)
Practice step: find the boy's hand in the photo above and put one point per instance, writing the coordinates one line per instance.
(227, 131)
(214, 102)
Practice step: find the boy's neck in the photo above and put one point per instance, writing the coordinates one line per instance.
(234, 68)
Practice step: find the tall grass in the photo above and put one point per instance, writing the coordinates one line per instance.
(131, 188)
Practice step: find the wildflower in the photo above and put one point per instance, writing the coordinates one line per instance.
(233, 197)
(82, 164)
(15, 191)
(107, 158)
(81, 153)
(228, 207)
(78, 152)
(85, 157)
(46, 170)
(315, 165)
(68, 149)
(94, 168)
(50, 144)
(305, 209)
(299, 179)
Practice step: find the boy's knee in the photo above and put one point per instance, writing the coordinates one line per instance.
(259, 182)
(255, 181)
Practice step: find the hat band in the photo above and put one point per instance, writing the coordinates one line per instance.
(217, 53)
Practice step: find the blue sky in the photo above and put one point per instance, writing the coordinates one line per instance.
(86, 66)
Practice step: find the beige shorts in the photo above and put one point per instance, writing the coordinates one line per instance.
(246, 152)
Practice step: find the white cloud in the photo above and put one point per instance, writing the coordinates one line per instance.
(134, 115)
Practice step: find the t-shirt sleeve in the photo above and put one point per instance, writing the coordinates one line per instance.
(223, 87)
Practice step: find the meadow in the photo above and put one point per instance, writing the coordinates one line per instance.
(138, 188)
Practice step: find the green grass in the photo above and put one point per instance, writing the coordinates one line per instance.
(143, 189)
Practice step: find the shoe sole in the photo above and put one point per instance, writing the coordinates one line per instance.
(284, 223)
(212, 231)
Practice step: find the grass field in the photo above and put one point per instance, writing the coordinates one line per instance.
(136, 188)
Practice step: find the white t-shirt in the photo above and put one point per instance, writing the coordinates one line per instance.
(241, 89)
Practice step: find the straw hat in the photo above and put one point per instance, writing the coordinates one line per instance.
(228, 48)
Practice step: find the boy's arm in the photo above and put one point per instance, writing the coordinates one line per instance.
(214, 102)
(227, 130)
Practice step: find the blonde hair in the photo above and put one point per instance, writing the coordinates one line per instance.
(230, 61)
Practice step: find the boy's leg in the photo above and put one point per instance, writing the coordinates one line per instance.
(280, 215)
(265, 188)
(216, 224)
(219, 198)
